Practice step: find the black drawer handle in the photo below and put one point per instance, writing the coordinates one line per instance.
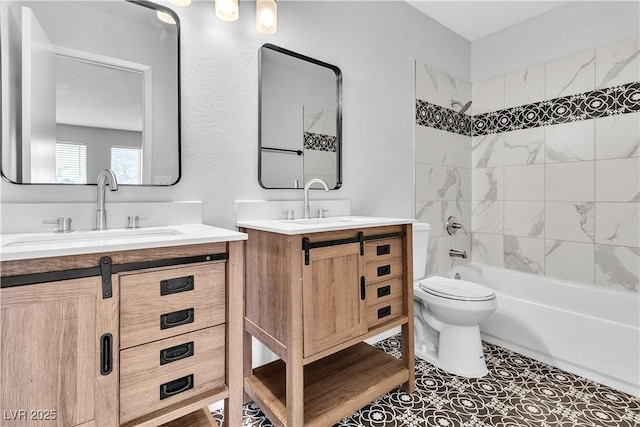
(176, 386)
(177, 318)
(363, 288)
(384, 270)
(179, 352)
(106, 354)
(177, 285)
(383, 250)
(384, 291)
(384, 312)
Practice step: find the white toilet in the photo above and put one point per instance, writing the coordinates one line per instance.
(447, 315)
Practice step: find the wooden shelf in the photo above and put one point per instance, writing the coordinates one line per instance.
(334, 386)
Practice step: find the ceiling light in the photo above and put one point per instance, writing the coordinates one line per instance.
(267, 16)
(180, 2)
(227, 10)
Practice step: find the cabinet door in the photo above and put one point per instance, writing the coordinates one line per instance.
(333, 308)
(50, 354)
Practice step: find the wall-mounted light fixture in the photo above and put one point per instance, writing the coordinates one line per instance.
(165, 17)
(227, 10)
(267, 16)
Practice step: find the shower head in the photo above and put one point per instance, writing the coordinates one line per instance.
(463, 108)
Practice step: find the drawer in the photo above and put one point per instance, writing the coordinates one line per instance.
(164, 372)
(384, 291)
(385, 269)
(383, 312)
(383, 249)
(163, 303)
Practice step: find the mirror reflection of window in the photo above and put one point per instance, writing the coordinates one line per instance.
(126, 164)
(71, 163)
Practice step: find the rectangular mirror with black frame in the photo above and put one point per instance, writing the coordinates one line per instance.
(300, 120)
(90, 85)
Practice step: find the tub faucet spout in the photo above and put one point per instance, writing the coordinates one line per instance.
(106, 177)
(457, 254)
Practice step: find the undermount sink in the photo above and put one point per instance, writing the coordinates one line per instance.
(328, 220)
(78, 236)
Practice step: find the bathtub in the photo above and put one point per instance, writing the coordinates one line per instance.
(588, 330)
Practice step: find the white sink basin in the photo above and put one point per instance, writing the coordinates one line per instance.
(42, 245)
(77, 236)
(314, 225)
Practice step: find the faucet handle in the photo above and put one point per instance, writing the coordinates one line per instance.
(290, 213)
(133, 221)
(63, 223)
(321, 212)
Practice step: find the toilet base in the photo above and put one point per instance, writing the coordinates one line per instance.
(458, 350)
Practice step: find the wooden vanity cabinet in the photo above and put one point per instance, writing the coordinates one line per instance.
(157, 345)
(312, 299)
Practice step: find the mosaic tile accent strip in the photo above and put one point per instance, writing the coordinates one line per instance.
(319, 142)
(438, 117)
(518, 391)
(588, 105)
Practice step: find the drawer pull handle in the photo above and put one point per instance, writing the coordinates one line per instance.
(363, 288)
(177, 285)
(384, 291)
(176, 386)
(179, 352)
(384, 270)
(106, 354)
(383, 250)
(177, 318)
(384, 312)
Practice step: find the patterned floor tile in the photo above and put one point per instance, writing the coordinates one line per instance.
(517, 392)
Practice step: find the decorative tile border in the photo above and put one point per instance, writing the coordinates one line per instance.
(438, 117)
(319, 142)
(588, 105)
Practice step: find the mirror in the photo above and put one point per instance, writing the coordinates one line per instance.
(300, 120)
(89, 85)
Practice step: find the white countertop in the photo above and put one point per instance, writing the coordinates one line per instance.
(316, 225)
(50, 244)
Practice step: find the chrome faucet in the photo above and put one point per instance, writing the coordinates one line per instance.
(453, 226)
(307, 210)
(457, 254)
(106, 177)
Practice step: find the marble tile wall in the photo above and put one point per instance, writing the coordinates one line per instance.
(442, 162)
(561, 197)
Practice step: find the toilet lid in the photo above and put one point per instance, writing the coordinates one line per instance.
(461, 290)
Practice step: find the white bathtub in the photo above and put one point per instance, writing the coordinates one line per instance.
(591, 331)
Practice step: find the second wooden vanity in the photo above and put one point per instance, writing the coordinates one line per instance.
(313, 298)
(124, 337)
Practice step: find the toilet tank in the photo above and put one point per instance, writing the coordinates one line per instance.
(420, 244)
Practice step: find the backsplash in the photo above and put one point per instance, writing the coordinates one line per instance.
(554, 166)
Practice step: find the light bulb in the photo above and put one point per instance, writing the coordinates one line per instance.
(165, 17)
(227, 10)
(266, 16)
(180, 2)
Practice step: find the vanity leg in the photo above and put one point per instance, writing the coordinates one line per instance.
(235, 329)
(247, 360)
(295, 393)
(408, 350)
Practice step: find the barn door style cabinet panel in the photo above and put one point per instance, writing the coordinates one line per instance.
(313, 298)
(123, 338)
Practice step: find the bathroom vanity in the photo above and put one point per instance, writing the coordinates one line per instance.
(315, 290)
(139, 329)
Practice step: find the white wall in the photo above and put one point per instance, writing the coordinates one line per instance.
(578, 26)
(375, 45)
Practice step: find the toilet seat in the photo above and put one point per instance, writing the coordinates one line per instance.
(454, 289)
